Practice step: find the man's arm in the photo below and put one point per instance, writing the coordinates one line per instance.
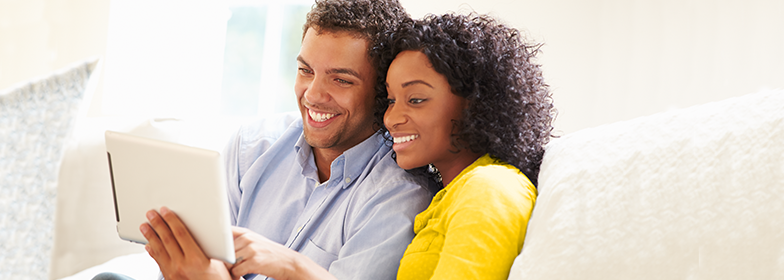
(377, 236)
(259, 255)
(246, 146)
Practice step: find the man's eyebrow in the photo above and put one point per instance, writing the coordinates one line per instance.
(346, 71)
(302, 60)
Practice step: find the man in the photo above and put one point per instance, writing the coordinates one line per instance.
(324, 196)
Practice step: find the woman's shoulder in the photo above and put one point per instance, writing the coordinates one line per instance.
(493, 184)
(490, 173)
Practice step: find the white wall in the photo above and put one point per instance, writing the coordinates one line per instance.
(606, 60)
(612, 60)
(41, 36)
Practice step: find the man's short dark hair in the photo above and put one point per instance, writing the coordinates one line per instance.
(366, 19)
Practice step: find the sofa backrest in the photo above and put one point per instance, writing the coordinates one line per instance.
(696, 193)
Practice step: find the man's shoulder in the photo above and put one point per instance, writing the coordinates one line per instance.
(261, 133)
(271, 127)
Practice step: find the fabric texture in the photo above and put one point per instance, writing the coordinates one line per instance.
(35, 121)
(696, 193)
(474, 228)
(356, 224)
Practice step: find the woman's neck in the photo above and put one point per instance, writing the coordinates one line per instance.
(451, 168)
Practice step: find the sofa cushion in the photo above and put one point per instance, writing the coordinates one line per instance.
(696, 193)
(36, 118)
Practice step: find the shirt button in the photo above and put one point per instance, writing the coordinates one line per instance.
(348, 180)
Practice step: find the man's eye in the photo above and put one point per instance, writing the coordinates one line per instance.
(342, 81)
(305, 70)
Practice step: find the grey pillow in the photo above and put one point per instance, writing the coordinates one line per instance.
(35, 120)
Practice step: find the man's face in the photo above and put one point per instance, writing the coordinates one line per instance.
(335, 90)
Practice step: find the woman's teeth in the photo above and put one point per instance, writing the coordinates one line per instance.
(318, 117)
(404, 139)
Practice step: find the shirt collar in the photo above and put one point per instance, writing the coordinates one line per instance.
(305, 158)
(348, 165)
(356, 159)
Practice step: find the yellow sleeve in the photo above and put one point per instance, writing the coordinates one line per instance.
(486, 225)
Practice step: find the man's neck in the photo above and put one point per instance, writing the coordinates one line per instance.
(324, 159)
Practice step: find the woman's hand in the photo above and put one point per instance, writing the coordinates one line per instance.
(259, 255)
(176, 252)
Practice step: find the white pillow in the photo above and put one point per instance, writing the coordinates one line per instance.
(696, 193)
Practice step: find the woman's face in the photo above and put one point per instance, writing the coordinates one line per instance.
(421, 112)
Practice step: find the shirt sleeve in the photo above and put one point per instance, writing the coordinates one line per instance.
(485, 229)
(245, 146)
(378, 234)
(231, 163)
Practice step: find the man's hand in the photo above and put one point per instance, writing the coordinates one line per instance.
(176, 252)
(259, 255)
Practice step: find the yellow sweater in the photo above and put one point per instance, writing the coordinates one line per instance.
(474, 228)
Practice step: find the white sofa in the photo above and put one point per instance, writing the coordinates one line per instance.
(696, 193)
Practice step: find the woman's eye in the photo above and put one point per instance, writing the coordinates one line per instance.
(416, 100)
(390, 101)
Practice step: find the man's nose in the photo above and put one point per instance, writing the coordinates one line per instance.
(317, 92)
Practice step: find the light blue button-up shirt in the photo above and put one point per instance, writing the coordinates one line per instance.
(357, 224)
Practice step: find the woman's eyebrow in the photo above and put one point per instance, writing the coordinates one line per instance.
(414, 82)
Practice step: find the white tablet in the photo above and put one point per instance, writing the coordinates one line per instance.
(148, 174)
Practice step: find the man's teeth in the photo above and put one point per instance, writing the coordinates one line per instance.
(404, 139)
(318, 117)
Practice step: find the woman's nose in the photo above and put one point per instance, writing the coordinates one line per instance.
(394, 117)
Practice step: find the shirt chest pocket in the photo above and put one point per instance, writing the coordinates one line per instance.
(429, 239)
(317, 254)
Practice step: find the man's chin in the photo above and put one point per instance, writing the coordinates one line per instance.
(319, 139)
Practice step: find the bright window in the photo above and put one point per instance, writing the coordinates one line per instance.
(262, 43)
(180, 58)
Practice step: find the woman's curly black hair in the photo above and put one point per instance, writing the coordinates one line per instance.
(510, 110)
(365, 19)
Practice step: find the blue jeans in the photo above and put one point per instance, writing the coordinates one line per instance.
(111, 276)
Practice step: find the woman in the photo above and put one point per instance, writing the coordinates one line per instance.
(463, 95)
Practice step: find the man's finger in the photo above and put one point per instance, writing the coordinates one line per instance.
(237, 231)
(163, 231)
(154, 246)
(182, 234)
